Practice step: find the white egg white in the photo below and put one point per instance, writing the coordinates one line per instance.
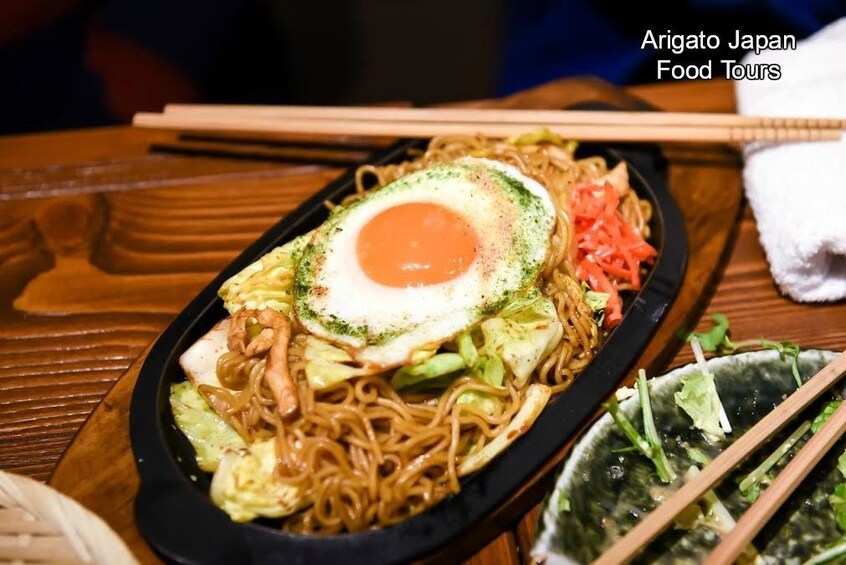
(513, 217)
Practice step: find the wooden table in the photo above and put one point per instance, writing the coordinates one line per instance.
(103, 241)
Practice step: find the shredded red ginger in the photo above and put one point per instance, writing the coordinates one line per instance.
(609, 249)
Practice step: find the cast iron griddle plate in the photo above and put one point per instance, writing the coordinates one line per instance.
(173, 510)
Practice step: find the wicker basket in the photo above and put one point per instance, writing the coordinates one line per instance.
(40, 525)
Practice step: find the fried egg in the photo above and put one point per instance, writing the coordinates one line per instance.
(409, 266)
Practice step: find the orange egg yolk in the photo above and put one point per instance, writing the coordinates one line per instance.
(416, 244)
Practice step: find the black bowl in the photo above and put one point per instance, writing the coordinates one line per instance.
(173, 509)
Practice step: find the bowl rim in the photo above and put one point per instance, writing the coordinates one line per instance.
(541, 548)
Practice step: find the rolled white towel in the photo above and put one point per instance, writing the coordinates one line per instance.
(797, 191)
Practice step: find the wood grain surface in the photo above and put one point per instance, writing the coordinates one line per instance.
(102, 241)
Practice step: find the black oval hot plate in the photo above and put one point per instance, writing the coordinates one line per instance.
(173, 509)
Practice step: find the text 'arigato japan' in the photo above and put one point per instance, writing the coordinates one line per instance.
(729, 68)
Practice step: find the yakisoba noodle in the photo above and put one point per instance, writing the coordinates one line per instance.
(365, 455)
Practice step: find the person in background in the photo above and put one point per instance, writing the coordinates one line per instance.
(76, 63)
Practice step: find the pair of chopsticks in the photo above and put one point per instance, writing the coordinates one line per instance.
(490, 122)
(733, 544)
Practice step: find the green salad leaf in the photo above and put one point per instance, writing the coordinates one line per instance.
(715, 515)
(209, 434)
(750, 485)
(753, 491)
(563, 502)
(697, 455)
(834, 551)
(828, 410)
(837, 500)
(649, 446)
(699, 399)
(786, 350)
(716, 340)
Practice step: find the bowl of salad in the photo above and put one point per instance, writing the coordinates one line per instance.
(659, 434)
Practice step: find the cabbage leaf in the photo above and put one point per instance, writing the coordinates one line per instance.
(596, 301)
(542, 135)
(245, 487)
(477, 399)
(209, 434)
(467, 349)
(327, 365)
(525, 332)
(485, 366)
(537, 395)
(488, 368)
(440, 365)
(439, 371)
(266, 283)
(492, 370)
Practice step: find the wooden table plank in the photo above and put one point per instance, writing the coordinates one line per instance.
(87, 281)
(502, 549)
(76, 146)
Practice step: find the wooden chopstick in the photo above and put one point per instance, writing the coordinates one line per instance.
(501, 116)
(733, 544)
(656, 521)
(426, 129)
